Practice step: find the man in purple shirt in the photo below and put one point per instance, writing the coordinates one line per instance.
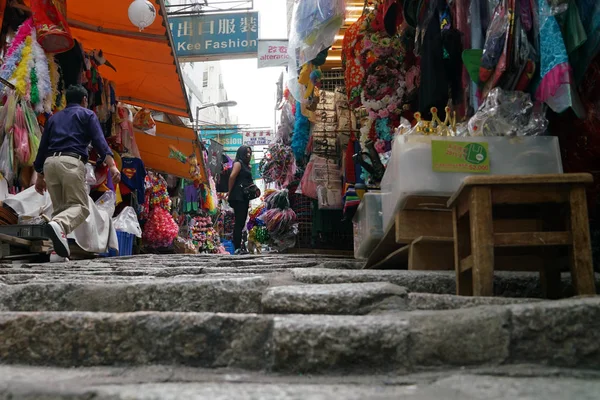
(60, 164)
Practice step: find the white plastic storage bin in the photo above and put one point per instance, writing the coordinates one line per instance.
(409, 171)
(368, 225)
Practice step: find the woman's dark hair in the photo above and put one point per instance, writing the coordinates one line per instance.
(242, 153)
(75, 94)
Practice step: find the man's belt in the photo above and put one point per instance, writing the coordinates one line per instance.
(68, 154)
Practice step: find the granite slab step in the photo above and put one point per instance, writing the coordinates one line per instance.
(344, 298)
(562, 333)
(228, 295)
(506, 284)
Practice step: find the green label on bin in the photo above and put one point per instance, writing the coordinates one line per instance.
(450, 156)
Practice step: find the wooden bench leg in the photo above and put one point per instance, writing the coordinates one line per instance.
(464, 280)
(550, 279)
(482, 240)
(582, 270)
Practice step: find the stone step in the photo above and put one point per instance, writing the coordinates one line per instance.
(226, 295)
(561, 333)
(506, 284)
(170, 383)
(366, 298)
(344, 299)
(231, 294)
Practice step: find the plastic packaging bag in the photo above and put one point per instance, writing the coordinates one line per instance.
(6, 158)
(28, 220)
(3, 110)
(508, 113)
(127, 221)
(107, 202)
(329, 199)
(314, 26)
(143, 121)
(21, 137)
(90, 175)
(11, 107)
(35, 133)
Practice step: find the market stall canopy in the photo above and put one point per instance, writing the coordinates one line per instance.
(154, 150)
(148, 73)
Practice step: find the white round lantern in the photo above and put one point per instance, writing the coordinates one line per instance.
(142, 13)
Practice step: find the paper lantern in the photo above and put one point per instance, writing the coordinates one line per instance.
(142, 13)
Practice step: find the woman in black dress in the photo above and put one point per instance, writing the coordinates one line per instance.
(241, 177)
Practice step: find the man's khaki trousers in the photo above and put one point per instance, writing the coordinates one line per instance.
(65, 181)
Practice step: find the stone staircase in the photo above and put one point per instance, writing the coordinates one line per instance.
(286, 327)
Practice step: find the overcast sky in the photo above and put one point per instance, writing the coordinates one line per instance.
(254, 89)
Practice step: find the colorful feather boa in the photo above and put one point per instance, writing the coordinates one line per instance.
(301, 133)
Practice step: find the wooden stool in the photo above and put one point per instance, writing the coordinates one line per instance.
(419, 238)
(530, 214)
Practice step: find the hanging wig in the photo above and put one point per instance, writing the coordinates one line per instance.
(301, 133)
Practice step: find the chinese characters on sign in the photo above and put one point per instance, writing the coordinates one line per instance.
(272, 53)
(450, 156)
(215, 35)
(258, 138)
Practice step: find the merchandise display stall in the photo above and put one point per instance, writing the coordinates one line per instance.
(431, 100)
(127, 73)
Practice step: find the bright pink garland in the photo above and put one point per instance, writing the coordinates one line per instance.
(161, 229)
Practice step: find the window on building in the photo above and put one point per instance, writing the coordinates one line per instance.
(221, 81)
(205, 79)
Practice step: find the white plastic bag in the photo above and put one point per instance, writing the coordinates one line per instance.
(107, 203)
(314, 26)
(127, 222)
(90, 177)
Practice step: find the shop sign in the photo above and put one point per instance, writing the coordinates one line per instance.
(215, 36)
(256, 171)
(258, 138)
(273, 53)
(465, 157)
(231, 142)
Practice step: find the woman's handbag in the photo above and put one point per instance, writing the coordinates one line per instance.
(251, 192)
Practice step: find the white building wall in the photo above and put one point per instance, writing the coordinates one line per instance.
(205, 84)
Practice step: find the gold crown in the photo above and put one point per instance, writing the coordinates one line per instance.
(436, 126)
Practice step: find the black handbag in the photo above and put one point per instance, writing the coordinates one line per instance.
(251, 192)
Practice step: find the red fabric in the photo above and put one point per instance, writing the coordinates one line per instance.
(350, 169)
(50, 21)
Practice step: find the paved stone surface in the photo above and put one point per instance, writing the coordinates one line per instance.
(428, 301)
(344, 298)
(162, 382)
(359, 334)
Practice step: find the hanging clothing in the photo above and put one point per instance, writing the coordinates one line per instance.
(72, 65)
(133, 175)
(433, 91)
(190, 201)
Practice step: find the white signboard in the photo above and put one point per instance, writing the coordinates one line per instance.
(258, 138)
(273, 53)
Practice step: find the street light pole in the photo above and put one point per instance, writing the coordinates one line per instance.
(228, 103)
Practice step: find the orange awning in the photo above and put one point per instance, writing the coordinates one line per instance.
(154, 150)
(148, 74)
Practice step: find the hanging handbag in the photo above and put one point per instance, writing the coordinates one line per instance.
(250, 192)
